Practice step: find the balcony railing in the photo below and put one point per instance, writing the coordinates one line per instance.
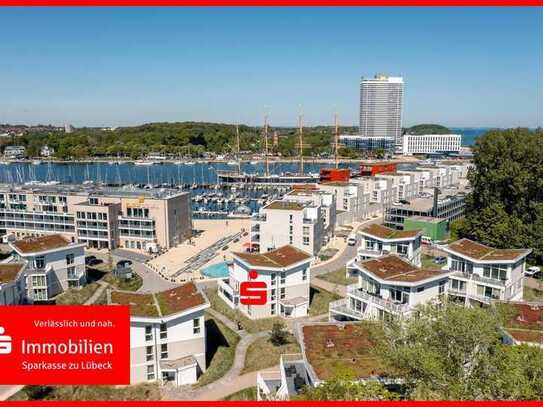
(481, 279)
(343, 307)
(371, 298)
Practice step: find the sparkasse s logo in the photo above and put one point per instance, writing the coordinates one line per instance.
(253, 292)
(5, 342)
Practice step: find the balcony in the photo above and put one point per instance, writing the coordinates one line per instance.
(480, 279)
(389, 305)
(258, 218)
(343, 307)
(308, 221)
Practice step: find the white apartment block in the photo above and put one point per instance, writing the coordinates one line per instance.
(299, 224)
(431, 143)
(286, 273)
(47, 151)
(14, 152)
(326, 202)
(167, 334)
(388, 286)
(352, 203)
(12, 287)
(52, 265)
(381, 100)
(482, 274)
(379, 240)
(100, 217)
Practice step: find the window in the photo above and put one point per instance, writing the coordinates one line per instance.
(196, 326)
(458, 285)
(148, 333)
(442, 285)
(464, 267)
(272, 277)
(283, 293)
(273, 308)
(163, 331)
(283, 277)
(71, 273)
(306, 241)
(402, 249)
(148, 353)
(39, 262)
(304, 274)
(150, 372)
(291, 229)
(497, 272)
(306, 230)
(70, 258)
(420, 289)
(290, 217)
(488, 292)
(39, 281)
(164, 351)
(273, 294)
(290, 239)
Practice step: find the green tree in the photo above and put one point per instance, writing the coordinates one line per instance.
(427, 129)
(505, 208)
(278, 335)
(343, 386)
(456, 353)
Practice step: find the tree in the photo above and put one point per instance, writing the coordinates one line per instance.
(456, 353)
(279, 335)
(505, 208)
(427, 129)
(343, 386)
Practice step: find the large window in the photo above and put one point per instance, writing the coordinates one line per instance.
(148, 353)
(462, 266)
(497, 272)
(369, 286)
(488, 292)
(148, 333)
(163, 331)
(164, 351)
(39, 262)
(150, 372)
(402, 249)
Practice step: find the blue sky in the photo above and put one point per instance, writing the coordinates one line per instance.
(123, 66)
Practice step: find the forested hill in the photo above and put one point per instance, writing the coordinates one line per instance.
(182, 138)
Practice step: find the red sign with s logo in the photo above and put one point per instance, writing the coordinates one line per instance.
(253, 292)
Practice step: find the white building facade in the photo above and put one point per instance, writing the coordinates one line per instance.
(484, 274)
(388, 286)
(286, 273)
(381, 103)
(167, 342)
(431, 143)
(53, 264)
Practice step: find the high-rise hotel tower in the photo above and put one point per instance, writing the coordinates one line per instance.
(381, 107)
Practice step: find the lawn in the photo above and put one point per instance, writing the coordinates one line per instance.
(248, 394)
(77, 296)
(533, 295)
(338, 277)
(145, 391)
(132, 284)
(221, 344)
(249, 325)
(262, 354)
(428, 262)
(319, 300)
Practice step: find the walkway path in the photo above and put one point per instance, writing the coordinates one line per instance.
(338, 289)
(94, 297)
(339, 261)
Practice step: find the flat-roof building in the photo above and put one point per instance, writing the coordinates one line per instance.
(100, 217)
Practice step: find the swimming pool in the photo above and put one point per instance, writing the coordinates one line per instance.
(218, 270)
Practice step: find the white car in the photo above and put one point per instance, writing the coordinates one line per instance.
(532, 271)
(351, 240)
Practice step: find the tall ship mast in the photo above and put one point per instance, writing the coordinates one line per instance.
(336, 141)
(266, 145)
(238, 149)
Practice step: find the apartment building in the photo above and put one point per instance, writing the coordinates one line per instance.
(100, 217)
(52, 265)
(381, 104)
(286, 273)
(12, 287)
(167, 334)
(388, 286)
(325, 201)
(352, 203)
(378, 240)
(14, 152)
(431, 143)
(300, 224)
(482, 274)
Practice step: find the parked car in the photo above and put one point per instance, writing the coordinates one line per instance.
(440, 260)
(351, 239)
(532, 271)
